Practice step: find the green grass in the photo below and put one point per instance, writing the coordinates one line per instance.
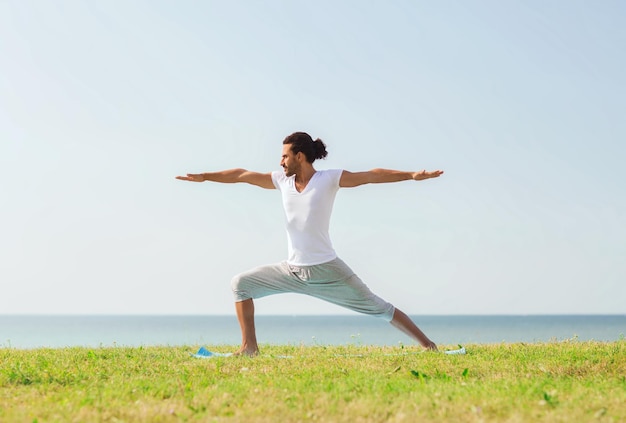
(553, 382)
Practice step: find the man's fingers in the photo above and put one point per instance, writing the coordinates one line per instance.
(189, 177)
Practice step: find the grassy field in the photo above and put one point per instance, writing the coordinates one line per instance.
(553, 382)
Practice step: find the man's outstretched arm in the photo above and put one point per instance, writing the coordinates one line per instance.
(263, 180)
(377, 176)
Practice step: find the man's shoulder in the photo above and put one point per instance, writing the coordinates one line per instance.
(278, 177)
(277, 174)
(331, 175)
(331, 172)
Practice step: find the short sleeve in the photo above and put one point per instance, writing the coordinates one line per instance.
(335, 175)
(278, 177)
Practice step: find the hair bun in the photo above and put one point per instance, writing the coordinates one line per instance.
(320, 149)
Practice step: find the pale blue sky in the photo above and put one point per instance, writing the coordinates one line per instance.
(521, 103)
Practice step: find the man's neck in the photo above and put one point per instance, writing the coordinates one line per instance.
(304, 176)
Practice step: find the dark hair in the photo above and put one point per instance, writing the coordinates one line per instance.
(302, 142)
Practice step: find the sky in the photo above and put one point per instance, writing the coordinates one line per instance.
(521, 103)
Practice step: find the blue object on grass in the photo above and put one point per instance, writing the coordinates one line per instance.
(204, 353)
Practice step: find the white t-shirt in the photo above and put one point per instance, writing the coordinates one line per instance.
(308, 216)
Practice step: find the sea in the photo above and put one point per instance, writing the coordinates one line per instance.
(60, 331)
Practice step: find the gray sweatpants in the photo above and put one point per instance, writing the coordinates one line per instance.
(333, 281)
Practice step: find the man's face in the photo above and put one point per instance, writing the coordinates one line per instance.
(289, 161)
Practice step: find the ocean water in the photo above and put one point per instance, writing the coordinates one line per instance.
(26, 332)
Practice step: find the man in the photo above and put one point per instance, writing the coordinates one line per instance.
(313, 267)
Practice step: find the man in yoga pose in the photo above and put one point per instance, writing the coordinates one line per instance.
(313, 267)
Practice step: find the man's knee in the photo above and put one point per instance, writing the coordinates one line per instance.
(235, 282)
(239, 284)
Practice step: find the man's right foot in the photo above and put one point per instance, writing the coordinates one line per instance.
(248, 352)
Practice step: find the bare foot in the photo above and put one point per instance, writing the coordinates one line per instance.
(430, 346)
(247, 352)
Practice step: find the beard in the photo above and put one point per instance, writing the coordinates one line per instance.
(290, 171)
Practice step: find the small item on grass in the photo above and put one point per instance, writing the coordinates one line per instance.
(461, 350)
(204, 353)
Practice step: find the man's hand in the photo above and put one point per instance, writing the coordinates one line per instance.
(418, 176)
(193, 177)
